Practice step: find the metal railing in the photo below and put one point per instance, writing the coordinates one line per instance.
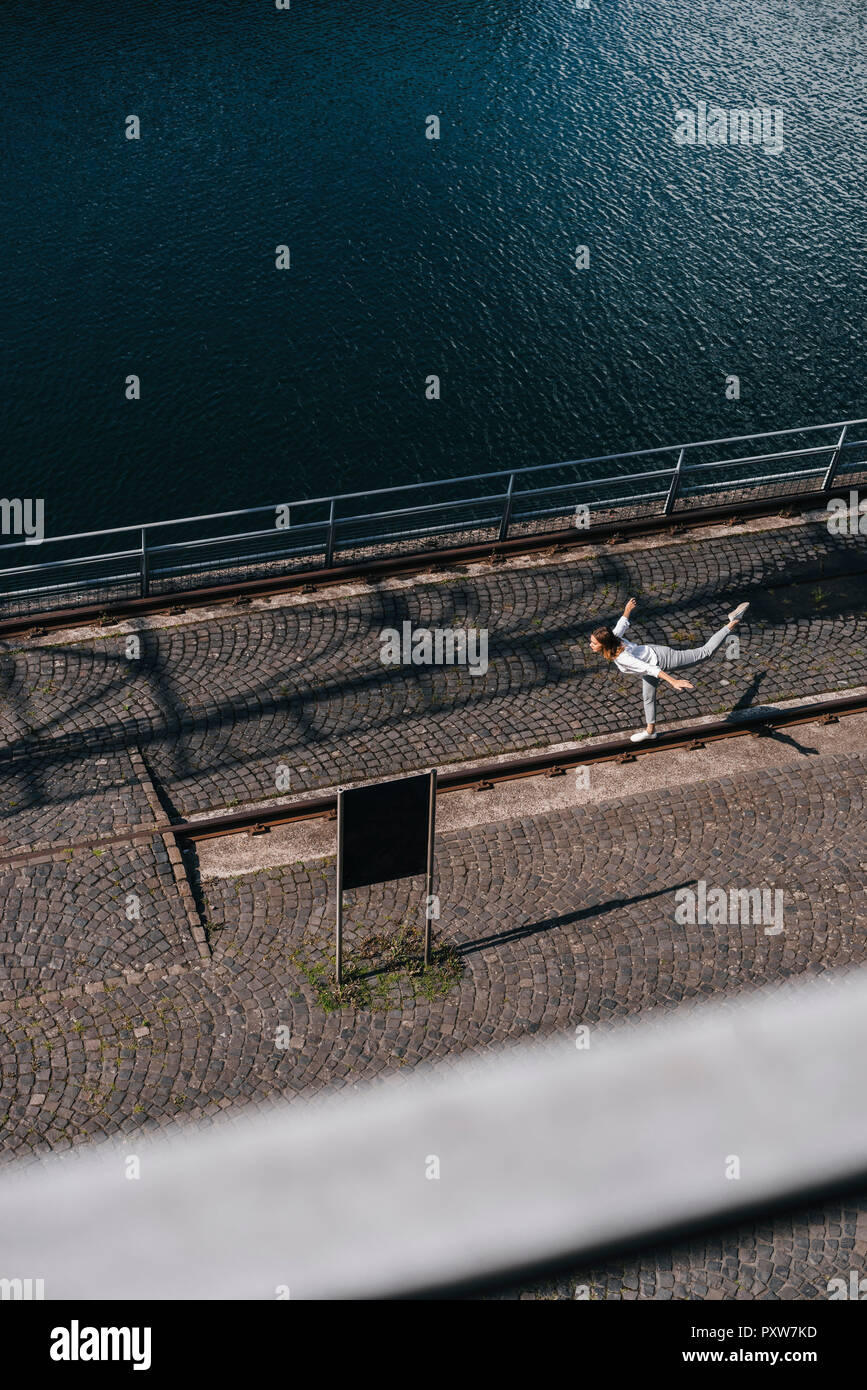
(169, 557)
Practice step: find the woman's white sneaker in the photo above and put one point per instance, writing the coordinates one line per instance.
(641, 737)
(738, 612)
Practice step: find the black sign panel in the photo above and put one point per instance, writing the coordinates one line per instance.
(385, 830)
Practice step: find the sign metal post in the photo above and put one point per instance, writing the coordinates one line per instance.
(338, 953)
(428, 904)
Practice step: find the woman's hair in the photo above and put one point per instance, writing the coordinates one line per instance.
(608, 642)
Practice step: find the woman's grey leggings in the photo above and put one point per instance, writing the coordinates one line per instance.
(674, 659)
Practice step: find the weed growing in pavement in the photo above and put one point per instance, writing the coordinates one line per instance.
(385, 965)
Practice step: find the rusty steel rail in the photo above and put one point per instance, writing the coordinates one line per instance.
(413, 526)
(479, 777)
(484, 775)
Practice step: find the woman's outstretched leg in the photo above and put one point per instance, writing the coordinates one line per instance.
(691, 656)
(674, 658)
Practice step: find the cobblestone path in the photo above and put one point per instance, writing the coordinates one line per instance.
(217, 704)
(557, 920)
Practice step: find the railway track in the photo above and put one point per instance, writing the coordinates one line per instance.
(480, 777)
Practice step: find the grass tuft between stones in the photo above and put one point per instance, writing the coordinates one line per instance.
(386, 966)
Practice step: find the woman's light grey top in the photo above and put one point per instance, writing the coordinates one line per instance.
(634, 659)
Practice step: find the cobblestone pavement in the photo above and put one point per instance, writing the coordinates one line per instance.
(217, 704)
(793, 1257)
(110, 1019)
(556, 920)
(80, 920)
(45, 803)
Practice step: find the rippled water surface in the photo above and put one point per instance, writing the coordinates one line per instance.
(411, 256)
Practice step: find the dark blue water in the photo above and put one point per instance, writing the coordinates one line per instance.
(411, 256)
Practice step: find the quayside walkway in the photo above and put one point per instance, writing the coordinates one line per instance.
(563, 919)
(216, 702)
(141, 988)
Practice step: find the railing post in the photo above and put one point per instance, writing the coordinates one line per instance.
(507, 510)
(835, 459)
(329, 544)
(675, 485)
(145, 570)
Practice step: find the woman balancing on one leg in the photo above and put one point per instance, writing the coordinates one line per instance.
(654, 663)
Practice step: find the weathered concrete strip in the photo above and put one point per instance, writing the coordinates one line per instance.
(532, 796)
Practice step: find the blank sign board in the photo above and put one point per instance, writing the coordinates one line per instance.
(384, 830)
